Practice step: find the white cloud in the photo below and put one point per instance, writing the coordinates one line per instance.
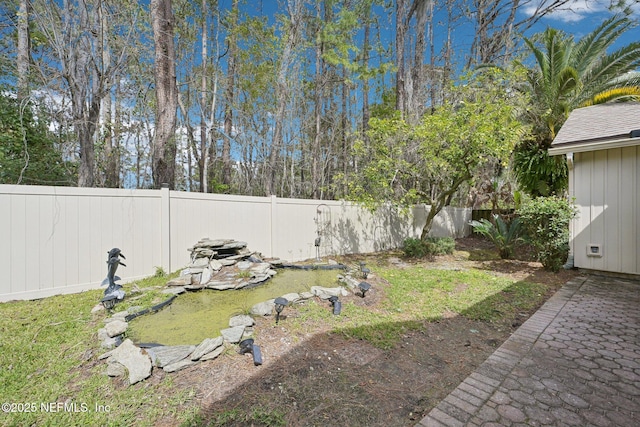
(573, 10)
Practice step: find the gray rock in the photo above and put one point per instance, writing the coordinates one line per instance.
(241, 320)
(227, 262)
(167, 355)
(306, 295)
(183, 280)
(262, 308)
(244, 265)
(96, 308)
(215, 265)
(233, 245)
(174, 291)
(292, 297)
(199, 263)
(326, 293)
(206, 275)
(206, 346)
(259, 278)
(174, 367)
(232, 335)
(115, 369)
(215, 353)
(261, 269)
(221, 286)
(116, 327)
(133, 359)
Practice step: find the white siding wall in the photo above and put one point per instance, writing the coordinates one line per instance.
(606, 187)
(54, 240)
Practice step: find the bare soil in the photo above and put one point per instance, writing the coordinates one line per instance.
(321, 378)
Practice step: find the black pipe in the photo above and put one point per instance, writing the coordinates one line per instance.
(336, 304)
(155, 308)
(247, 346)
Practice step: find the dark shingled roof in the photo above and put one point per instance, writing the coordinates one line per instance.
(599, 122)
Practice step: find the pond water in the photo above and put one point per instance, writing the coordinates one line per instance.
(194, 316)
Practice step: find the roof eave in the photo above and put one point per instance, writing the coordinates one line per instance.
(581, 147)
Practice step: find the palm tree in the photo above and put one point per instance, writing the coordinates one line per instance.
(571, 75)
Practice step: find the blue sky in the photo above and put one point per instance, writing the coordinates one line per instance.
(580, 17)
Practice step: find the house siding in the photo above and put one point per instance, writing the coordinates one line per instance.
(605, 185)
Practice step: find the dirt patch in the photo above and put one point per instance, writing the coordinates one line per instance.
(323, 378)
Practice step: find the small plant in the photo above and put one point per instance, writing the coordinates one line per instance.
(503, 235)
(416, 248)
(160, 272)
(244, 274)
(440, 245)
(546, 222)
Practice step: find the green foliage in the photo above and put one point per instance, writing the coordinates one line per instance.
(538, 173)
(418, 248)
(28, 154)
(503, 235)
(405, 164)
(571, 74)
(414, 248)
(546, 223)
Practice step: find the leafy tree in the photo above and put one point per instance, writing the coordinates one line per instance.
(27, 150)
(429, 162)
(569, 75)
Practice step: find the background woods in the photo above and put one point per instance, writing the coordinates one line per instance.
(235, 96)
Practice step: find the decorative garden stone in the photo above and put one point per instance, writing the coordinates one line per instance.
(114, 292)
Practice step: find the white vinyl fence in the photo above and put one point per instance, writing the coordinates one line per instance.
(54, 240)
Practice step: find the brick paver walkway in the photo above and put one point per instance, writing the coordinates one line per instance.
(575, 362)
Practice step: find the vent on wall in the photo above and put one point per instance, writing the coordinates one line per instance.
(594, 250)
(634, 133)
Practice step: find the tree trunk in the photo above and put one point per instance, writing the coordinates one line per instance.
(203, 103)
(163, 155)
(23, 56)
(228, 111)
(401, 30)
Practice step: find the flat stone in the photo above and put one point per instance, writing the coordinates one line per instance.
(221, 286)
(233, 245)
(232, 335)
(215, 265)
(206, 346)
(199, 263)
(182, 280)
(133, 359)
(262, 308)
(241, 320)
(244, 265)
(206, 275)
(215, 353)
(260, 278)
(261, 269)
(97, 308)
(174, 367)
(174, 291)
(227, 262)
(167, 355)
(326, 293)
(306, 295)
(292, 297)
(115, 369)
(116, 327)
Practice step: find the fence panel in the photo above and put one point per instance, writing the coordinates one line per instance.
(54, 240)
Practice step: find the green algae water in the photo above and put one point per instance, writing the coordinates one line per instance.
(194, 316)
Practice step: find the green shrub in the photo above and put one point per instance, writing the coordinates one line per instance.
(546, 223)
(503, 235)
(416, 248)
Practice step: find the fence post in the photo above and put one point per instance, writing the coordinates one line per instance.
(272, 224)
(165, 225)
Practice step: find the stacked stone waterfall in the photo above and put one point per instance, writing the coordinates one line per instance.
(209, 256)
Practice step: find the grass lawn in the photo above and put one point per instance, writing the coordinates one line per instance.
(50, 375)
